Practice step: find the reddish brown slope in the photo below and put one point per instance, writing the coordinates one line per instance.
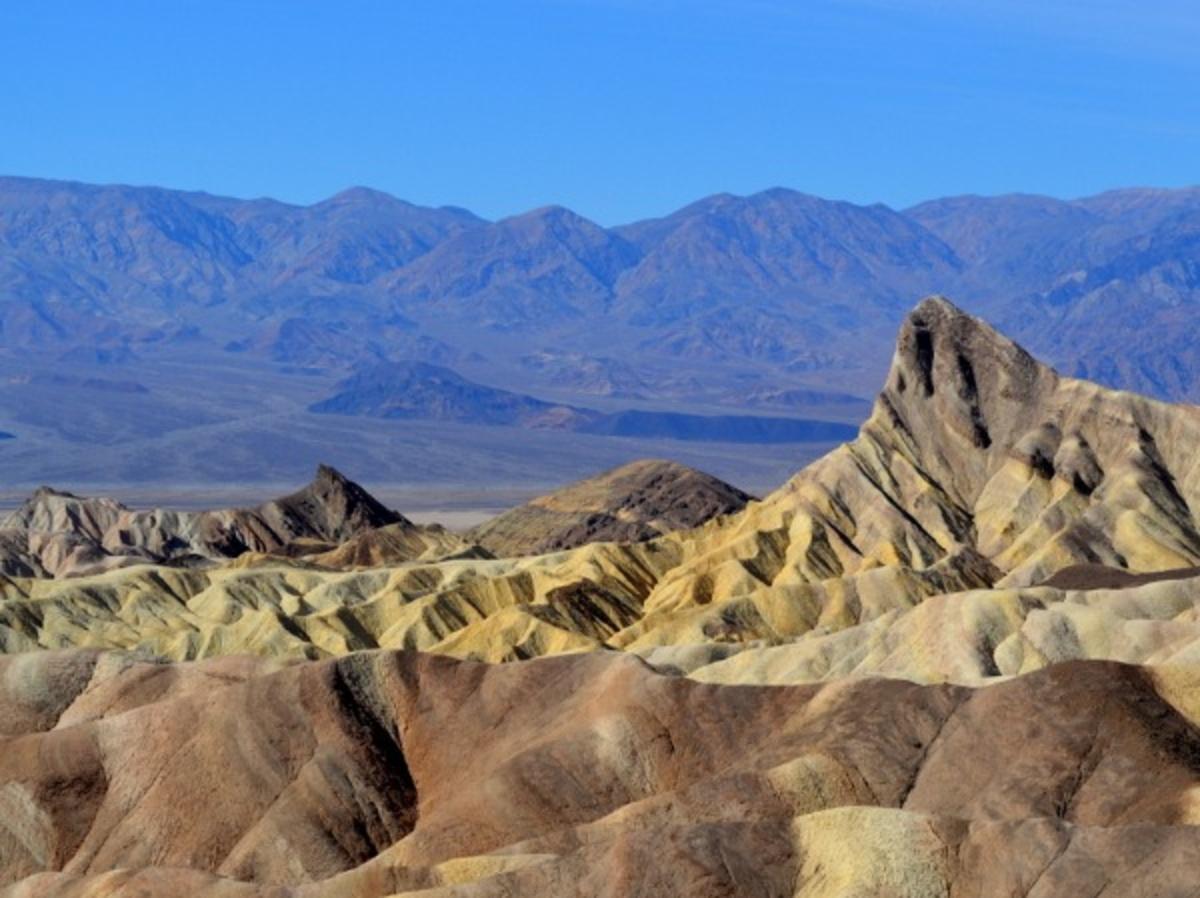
(590, 770)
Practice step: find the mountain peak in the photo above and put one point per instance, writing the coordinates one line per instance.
(633, 502)
(330, 476)
(336, 507)
(942, 347)
(359, 194)
(958, 394)
(554, 214)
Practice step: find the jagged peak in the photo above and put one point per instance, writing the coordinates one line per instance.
(958, 395)
(329, 481)
(938, 312)
(45, 491)
(336, 506)
(935, 303)
(331, 475)
(940, 346)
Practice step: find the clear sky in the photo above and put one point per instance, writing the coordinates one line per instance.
(620, 109)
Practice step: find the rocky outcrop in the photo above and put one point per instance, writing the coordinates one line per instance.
(631, 503)
(973, 445)
(959, 655)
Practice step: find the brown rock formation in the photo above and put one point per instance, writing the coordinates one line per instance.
(634, 502)
(874, 682)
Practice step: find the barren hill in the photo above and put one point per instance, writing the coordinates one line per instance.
(980, 473)
(631, 503)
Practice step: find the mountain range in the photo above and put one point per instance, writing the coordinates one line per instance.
(233, 311)
(778, 277)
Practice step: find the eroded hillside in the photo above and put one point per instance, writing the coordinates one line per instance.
(979, 470)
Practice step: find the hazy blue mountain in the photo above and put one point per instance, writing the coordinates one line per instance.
(800, 289)
(807, 255)
(528, 271)
(427, 392)
(238, 315)
(419, 391)
(116, 263)
(349, 238)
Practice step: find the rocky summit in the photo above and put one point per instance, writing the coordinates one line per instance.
(959, 655)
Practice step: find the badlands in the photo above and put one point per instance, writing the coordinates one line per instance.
(957, 656)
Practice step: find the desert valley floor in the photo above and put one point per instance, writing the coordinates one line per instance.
(956, 656)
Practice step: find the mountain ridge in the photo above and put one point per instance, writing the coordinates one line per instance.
(980, 473)
(57, 533)
(811, 267)
(777, 294)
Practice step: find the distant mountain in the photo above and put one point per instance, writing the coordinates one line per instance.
(430, 392)
(780, 248)
(350, 238)
(809, 288)
(419, 391)
(98, 263)
(521, 272)
(1107, 287)
(239, 312)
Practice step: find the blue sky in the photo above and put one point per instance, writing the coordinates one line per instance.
(620, 109)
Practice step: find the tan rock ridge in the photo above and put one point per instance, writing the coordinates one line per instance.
(958, 656)
(973, 444)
